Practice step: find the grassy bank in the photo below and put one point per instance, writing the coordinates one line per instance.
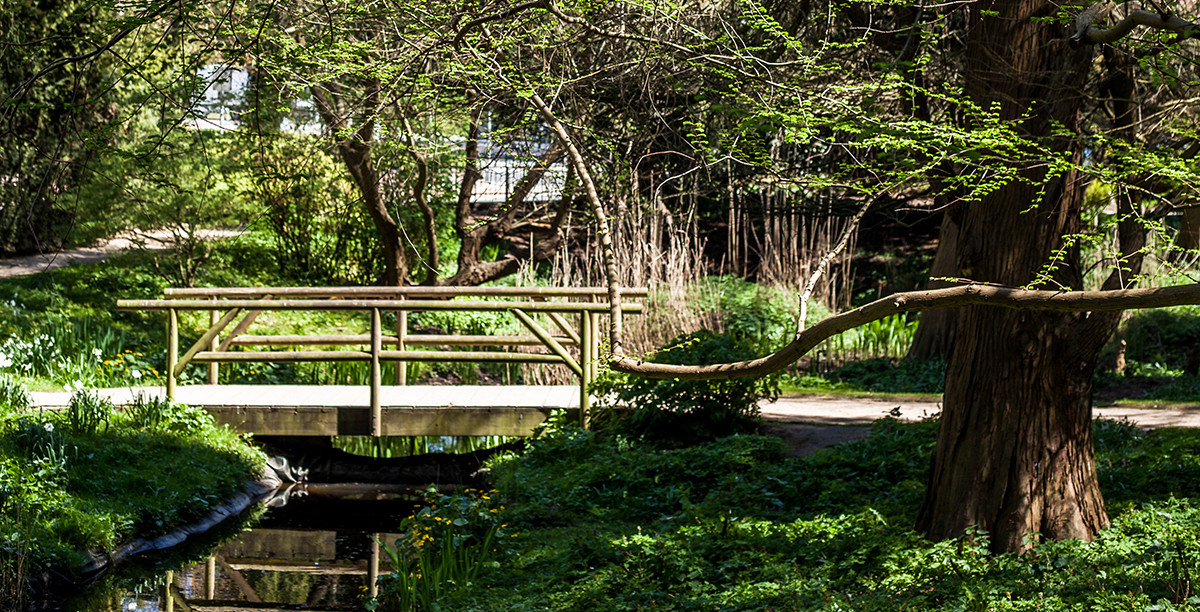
(585, 521)
(89, 478)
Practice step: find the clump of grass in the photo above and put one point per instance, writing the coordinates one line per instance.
(444, 548)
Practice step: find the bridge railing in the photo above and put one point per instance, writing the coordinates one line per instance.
(587, 305)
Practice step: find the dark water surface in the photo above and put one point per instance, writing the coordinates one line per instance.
(314, 550)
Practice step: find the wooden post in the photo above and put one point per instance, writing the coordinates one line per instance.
(213, 344)
(168, 597)
(210, 578)
(595, 320)
(376, 374)
(373, 567)
(172, 350)
(586, 357)
(401, 334)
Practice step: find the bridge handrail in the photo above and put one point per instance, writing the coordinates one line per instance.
(253, 300)
(393, 292)
(334, 304)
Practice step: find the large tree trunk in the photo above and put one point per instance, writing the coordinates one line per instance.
(1014, 454)
(533, 239)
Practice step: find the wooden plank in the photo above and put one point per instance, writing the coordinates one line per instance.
(281, 420)
(417, 305)
(434, 356)
(415, 339)
(310, 410)
(392, 292)
(284, 545)
(324, 569)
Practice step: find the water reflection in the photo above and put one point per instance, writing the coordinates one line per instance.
(387, 447)
(316, 552)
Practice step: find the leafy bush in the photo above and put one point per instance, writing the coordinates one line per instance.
(760, 319)
(883, 374)
(1167, 336)
(681, 412)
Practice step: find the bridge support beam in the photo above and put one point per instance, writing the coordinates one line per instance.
(587, 358)
(172, 350)
(376, 374)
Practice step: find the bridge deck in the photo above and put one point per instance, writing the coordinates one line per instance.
(327, 410)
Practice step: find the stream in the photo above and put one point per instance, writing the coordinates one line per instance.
(313, 549)
(311, 546)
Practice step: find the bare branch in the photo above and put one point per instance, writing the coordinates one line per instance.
(462, 32)
(849, 231)
(419, 188)
(974, 294)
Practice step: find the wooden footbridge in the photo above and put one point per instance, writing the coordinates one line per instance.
(563, 326)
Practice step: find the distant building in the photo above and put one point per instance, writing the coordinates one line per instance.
(220, 102)
(502, 164)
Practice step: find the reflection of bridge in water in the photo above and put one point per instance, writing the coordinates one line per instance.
(318, 552)
(562, 326)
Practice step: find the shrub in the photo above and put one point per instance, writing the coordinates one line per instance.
(884, 374)
(680, 412)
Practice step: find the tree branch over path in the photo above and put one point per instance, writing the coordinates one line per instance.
(974, 294)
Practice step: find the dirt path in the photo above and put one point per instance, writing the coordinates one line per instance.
(809, 423)
(32, 264)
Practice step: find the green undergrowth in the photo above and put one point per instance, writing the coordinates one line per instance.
(89, 478)
(879, 375)
(594, 521)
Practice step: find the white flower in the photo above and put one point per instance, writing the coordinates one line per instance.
(75, 386)
(48, 426)
(96, 352)
(135, 374)
(5, 360)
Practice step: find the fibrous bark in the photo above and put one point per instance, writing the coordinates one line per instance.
(1014, 454)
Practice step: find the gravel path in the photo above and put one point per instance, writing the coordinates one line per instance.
(32, 264)
(849, 410)
(813, 422)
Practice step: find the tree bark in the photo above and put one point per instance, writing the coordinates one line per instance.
(534, 239)
(1014, 454)
(355, 149)
(935, 332)
(1189, 231)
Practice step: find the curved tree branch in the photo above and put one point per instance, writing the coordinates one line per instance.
(987, 295)
(1086, 30)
